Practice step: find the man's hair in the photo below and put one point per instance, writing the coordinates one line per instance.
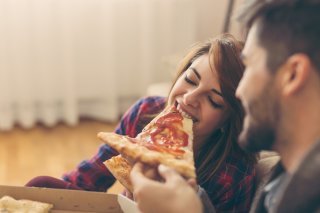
(285, 27)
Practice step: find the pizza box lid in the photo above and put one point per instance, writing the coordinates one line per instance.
(73, 201)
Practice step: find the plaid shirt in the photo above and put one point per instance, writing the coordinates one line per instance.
(230, 190)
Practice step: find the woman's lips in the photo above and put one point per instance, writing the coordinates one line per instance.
(184, 113)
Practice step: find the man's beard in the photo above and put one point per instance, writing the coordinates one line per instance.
(261, 133)
(258, 137)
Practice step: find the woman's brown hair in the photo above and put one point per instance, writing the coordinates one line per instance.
(224, 55)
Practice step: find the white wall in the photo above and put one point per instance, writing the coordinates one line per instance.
(89, 55)
(211, 16)
(234, 25)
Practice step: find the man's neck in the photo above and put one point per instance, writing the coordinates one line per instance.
(293, 155)
(299, 139)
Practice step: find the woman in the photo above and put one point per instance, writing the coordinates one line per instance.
(204, 89)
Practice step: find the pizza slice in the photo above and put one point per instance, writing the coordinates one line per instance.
(11, 205)
(120, 169)
(167, 140)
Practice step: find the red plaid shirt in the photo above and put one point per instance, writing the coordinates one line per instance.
(230, 190)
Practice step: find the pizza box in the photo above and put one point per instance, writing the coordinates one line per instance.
(73, 201)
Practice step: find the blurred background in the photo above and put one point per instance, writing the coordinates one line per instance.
(70, 68)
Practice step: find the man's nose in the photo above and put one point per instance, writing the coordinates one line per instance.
(239, 90)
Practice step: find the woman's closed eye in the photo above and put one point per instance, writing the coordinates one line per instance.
(191, 78)
(214, 104)
(188, 80)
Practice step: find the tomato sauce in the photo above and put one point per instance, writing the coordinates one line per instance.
(166, 135)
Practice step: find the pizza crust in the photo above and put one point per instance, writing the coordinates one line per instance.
(11, 205)
(140, 153)
(120, 169)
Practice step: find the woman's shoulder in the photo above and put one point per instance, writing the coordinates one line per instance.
(238, 162)
(153, 100)
(136, 117)
(233, 170)
(147, 104)
(152, 104)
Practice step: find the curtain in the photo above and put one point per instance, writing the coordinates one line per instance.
(65, 59)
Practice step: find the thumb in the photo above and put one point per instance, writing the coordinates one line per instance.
(168, 173)
(136, 174)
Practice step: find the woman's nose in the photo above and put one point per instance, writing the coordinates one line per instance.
(191, 98)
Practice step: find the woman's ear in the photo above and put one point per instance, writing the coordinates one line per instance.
(296, 72)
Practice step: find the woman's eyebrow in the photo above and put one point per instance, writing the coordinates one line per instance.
(216, 91)
(199, 77)
(196, 72)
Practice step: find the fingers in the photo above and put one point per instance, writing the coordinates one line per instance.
(172, 178)
(138, 180)
(151, 172)
(193, 183)
(147, 171)
(140, 175)
(168, 173)
(128, 194)
(136, 174)
(142, 185)
(129, 159)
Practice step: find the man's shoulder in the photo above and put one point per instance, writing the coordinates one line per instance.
(302, 191)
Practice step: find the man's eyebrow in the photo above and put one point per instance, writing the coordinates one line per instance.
(196, 72)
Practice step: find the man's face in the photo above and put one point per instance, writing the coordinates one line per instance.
(258, 94)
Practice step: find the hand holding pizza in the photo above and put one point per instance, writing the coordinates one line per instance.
(167, 140)
(174, 192)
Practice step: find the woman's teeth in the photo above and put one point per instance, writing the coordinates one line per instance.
(183, 113)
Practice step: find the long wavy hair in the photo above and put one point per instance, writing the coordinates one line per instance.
(224, 55)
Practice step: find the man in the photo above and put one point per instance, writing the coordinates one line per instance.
(280, 92)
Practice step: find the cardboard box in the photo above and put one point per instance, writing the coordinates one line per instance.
(73, 201)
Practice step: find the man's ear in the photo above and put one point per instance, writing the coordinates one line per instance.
(296, 72)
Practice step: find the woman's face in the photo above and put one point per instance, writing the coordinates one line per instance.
(197, 95)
